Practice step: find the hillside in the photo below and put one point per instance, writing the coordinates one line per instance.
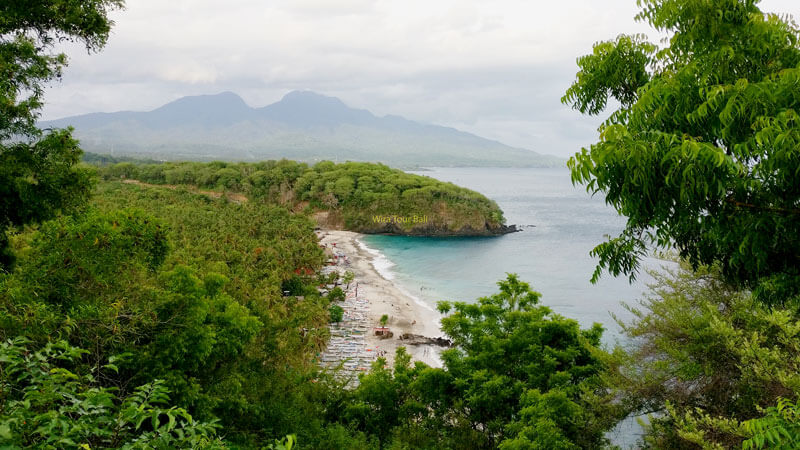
(302, 126)
(362, 197)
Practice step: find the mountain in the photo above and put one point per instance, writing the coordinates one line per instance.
(303, 125)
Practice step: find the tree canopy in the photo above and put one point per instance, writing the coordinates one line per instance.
(702, 150)
(363, 197)
(518, 376)
(38, 174)
(706, 359)
(49, 403)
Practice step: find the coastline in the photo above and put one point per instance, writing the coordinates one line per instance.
(373, 286)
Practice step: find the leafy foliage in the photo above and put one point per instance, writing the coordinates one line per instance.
(38, 173)
(336, 294)
(45, 403)
(702, 152)
(349, 194)
(779, 427)
(518, 377)
(188, 293)
(257, 385)
(286, 443)
(336, 313)
(348, 278)
(704, 357)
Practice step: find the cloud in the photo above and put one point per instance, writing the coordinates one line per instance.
(494, 68)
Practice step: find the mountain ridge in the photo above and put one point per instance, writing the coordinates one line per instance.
(303, 125)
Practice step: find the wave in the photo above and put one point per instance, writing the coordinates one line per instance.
(383, 266)
(379, 261)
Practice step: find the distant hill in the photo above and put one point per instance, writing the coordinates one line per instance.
(303, 126)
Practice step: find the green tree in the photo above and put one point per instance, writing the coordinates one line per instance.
(336, 313)
(515, 359)
(348, 278)
(518, 376)
(38, 173)
(779, 428)
(225, 268)
(703, 149)
(94, 280)
(704, 358)
(336, 295)
(47, 403)
(351, 193)
(293, 286)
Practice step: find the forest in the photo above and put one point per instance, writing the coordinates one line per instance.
(175, 305)
(347, 195)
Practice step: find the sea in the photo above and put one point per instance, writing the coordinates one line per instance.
(561, 223)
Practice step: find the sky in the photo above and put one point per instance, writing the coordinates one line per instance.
(496, 68)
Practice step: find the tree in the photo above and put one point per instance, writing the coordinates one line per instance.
(384, 319)
(703, 358)
(47, 403)
(293, 286)
(703, 149)
(38, 174)
(523, 371)
(336, 313)
(348, 278)
(778, 428)
(518, 376)
(336, 295)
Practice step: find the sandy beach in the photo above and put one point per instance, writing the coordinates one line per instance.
(371, 295)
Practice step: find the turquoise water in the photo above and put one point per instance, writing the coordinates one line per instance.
(553, 255)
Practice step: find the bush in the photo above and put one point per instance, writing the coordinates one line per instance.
(519, 376)
(336, 294)
(705, 357)
(336, 313)
(294, 286)
(45, 403)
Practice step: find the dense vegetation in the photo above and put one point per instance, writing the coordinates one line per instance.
(48, 405)
(708, 356)
(38, 173)
(703, 155)
(519, 377)
(187, 297)
(188, 293)
(168, 317)
(364, 197)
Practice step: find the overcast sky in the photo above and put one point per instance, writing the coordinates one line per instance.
(493, 68)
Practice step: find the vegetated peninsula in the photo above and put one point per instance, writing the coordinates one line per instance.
(354, 196)
(303, 126)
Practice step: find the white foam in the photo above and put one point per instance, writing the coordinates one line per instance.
(379, 261)
(383, 266)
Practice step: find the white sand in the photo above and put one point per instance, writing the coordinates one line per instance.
(406, 315)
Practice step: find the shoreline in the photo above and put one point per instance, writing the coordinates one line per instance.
(374, 288)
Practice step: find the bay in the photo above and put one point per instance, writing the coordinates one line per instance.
(560, 223)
